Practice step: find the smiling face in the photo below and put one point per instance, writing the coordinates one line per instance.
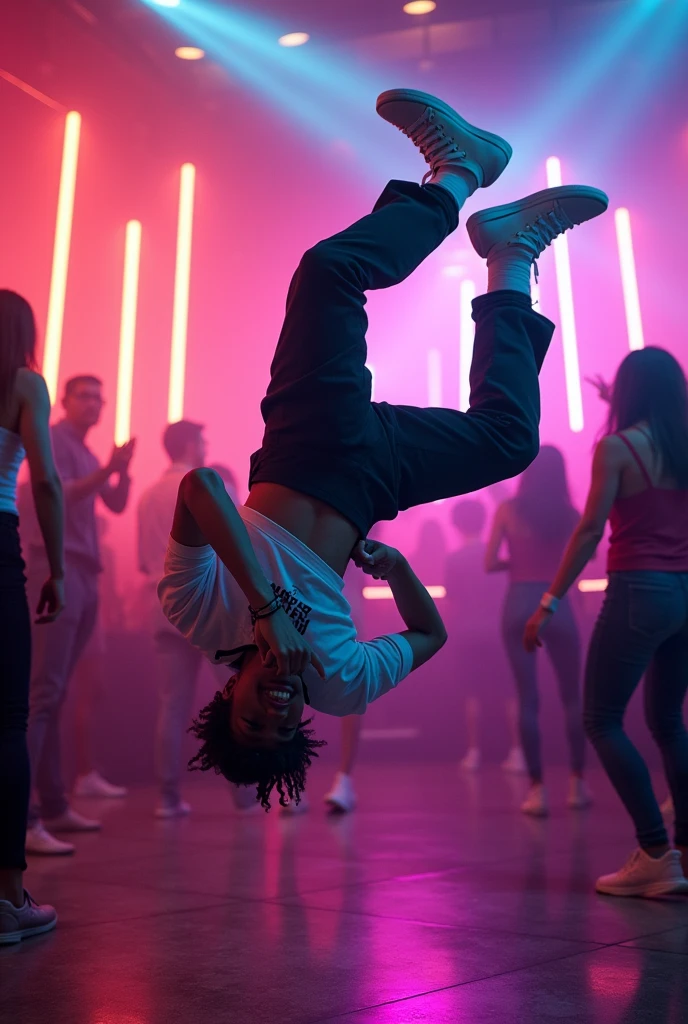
(266, 708)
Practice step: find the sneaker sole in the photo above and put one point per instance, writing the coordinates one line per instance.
(654, 889)
(414, 96)
(12, 938)
(334, 807)
(496, 213)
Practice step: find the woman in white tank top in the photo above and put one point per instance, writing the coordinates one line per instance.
(24, 432)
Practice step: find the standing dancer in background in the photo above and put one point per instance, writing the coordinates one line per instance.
(57, 650)
(178, 662)
(24, 431)
(333, 462)
(472, 597)
(534, 526)
(640, 483)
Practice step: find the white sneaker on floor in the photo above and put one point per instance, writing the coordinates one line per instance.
(667, 808)
(17, 923)
(172, 809)
(536, 803)
(515, 763)
(40, 841)
(72, 821)
(579, 794)
(244, 800)
(471, 760)
(293, 808)
(643, 875)
(341, 799)
(534, 222)
(94, 785)
(443, 137)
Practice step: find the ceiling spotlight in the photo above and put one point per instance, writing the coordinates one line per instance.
(189, 53)
(294, 39)
(420, 6)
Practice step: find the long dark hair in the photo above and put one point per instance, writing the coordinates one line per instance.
(17, 340)
(650, 387)
(543, 501)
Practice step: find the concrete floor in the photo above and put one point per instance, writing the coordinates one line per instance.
(435, 902)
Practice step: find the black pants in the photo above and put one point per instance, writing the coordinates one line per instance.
(15, 669)
(323, 435)
(642, 629)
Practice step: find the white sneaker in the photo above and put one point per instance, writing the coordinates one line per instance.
(17, 923)
(170, 809)
(293, 808)
(341, 798)
(515, 763)
(72, 821)
(94, 785)
(534, 222)
(643, 875)
(536, 803)
(471, 761)
(244, 800)
(443, 137)
(579, 794)
(39, 840)
(667, 808)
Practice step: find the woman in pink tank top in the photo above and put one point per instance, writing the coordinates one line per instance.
(640, 484)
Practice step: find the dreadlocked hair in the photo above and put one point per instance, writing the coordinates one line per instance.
(283, 768)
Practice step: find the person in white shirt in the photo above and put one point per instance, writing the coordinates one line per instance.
(179, 662)
(333, 463)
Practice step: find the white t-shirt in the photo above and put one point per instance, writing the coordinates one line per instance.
(202, 600)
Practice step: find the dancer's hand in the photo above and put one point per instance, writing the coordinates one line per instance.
(534, 626)
(375, 559)
(603, 389)
(283, 648)
(51, 601)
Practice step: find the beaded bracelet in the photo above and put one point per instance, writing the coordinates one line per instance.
(272, 608)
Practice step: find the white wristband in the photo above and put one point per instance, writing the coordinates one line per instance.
(549, 602)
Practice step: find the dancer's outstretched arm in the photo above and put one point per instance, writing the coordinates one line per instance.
(205, 514)
(425, 630)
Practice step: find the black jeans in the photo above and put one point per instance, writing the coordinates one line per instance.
(643, 627)
(15, 669)
(562, 642)
(368, 460)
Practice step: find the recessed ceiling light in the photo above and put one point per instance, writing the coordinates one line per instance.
(420, 6)
(189, 53)
(294, 39)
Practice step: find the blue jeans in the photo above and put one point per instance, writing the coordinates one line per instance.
(562, 644)
(642, 628)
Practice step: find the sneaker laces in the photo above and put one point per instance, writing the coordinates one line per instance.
(545, 228)
(433, 142)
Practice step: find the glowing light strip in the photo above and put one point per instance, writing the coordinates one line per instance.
(180, 310)
(629, 280)
(466, 339)
(372, 381)
(592, 586)
(61, 247)
(127, 333)
(385, 593)
(434, 378)
(562, 263)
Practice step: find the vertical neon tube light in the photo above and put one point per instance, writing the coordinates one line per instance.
(562, 264)
(371, 370)
(61, 247)
(466, 338)
(127, 334)
(629, 281)
(180, 311)
(434, 378)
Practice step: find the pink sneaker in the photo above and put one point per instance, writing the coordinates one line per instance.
(17, 923)
(643, 875)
